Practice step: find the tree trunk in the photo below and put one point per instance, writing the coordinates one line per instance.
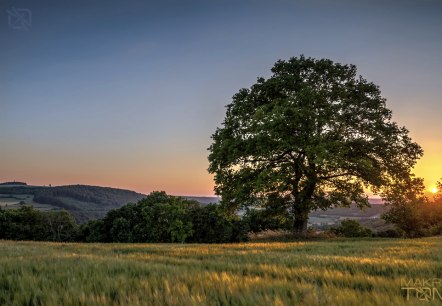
(300, 218)
(300, 223)
(301, 205)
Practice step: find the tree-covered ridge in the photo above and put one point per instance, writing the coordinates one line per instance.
(14, 183)
(105, 196)
(83, 201)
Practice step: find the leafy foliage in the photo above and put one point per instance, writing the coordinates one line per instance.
(27, 223)
(412, 212)
(310, 136)
(163, 218)
(352, 228)
(267, 219)
(156, 218)
(93, 231)
(212, 225)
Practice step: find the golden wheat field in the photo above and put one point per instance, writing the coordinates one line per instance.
(335, 272)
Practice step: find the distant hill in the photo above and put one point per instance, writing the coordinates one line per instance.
(84, 202)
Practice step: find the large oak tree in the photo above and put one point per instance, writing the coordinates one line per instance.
(312, 135)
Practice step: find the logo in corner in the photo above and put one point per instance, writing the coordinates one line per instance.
(423, 289)
(19, 19)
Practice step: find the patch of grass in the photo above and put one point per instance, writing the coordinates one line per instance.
(15, 201)
(335, 272)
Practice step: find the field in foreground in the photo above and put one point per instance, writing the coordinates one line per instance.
(338, 272)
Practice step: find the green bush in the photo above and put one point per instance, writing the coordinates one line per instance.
(163, 218)
(352, 228)
(261, 220)
(27, 223)
(389, 233)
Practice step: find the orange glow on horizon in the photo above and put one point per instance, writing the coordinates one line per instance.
(148, 169)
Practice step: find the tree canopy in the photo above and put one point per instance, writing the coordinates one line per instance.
(164, 218)
(312, 135)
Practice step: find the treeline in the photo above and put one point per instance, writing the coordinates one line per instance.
(27, 223)
(163, 218)
(414, 217)
(417, 219)
(14, 183)
(156, 218)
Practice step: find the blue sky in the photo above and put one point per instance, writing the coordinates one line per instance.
(127, 93)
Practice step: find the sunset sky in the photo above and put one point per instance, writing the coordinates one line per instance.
(127, 93)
